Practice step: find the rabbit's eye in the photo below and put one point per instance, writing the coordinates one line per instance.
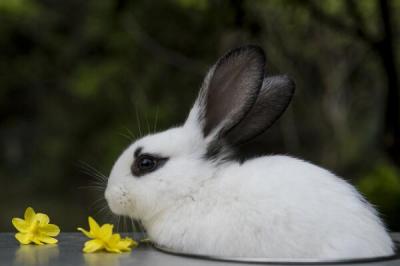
(146, 163)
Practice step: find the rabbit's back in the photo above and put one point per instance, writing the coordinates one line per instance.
(297, 209)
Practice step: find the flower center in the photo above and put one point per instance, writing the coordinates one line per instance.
(34, 227)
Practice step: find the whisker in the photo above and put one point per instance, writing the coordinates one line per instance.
(125, 228)
(94, 188)
(88, 172)
(148, 125)
(99, 205)
(97, 182)
(138, 122)
(129, 138)
(97, 202)
(155, 121)
(145, 237)
(119, 219)
(130, 133)
(135, 230)
(114, 218)
(101, 210)
(141, 226)
(108, 216)
(93, 169)
(94, 175)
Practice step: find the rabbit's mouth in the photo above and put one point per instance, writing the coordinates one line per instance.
(118, 200)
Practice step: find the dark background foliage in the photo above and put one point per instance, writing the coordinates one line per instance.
(78, 78)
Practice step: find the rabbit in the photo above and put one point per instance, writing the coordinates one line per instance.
(191, 194)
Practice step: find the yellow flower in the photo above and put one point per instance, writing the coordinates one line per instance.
(104, 239)
(35, 228)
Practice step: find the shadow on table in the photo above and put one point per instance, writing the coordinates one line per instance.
(36, 255)
(106, 259)
(47, 254)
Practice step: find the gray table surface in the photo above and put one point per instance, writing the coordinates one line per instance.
(69, 252)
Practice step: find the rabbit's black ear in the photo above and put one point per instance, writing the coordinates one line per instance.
(230, 89)
(273, 99)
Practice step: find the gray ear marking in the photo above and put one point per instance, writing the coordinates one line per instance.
(237, 102)
(231, 88)
(272, 101)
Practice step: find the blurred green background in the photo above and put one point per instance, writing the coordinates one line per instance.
(78, 78)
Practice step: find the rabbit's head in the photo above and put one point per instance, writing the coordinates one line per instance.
(236, 103)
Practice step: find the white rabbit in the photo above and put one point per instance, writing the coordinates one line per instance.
(193, 196)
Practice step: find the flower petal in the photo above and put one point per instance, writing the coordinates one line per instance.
(47, 239)
(23, 238)
(29, 214)
(35, 239)
(114, 239)
(112, 248)
(50, 229)
(132, 243)
(123, 246)
(106, 231)
(86, 233)
(93, 246)
(42, 218)
(126, 244)
(94, 226)
(117, 245)
(20, 224)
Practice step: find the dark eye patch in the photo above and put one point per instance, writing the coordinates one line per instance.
(146, 163)
(137, 152)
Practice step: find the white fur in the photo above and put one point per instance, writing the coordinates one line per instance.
(271, 206)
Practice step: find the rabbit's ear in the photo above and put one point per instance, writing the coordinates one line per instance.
(273, 99)
(229, 91)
